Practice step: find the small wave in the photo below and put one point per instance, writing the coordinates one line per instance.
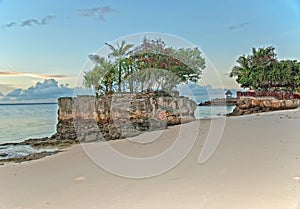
(19, 151)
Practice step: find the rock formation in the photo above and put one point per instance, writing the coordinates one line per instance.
(249, 105)
(87, 118)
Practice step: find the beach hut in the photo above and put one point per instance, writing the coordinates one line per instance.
(228, 94)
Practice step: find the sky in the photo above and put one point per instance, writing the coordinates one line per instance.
(48, 42)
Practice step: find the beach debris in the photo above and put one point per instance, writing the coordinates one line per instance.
(296, 178)
(80, 178)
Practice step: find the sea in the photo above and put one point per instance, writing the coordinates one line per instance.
(19, 122)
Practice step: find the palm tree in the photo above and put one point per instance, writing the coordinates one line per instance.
(242, 71)
(102, 76)
(118, 53)
(263, 56)
(129, 68)
(262, 70)
(256, 70)
(262, 61)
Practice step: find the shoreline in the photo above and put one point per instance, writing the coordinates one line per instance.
(54, 146)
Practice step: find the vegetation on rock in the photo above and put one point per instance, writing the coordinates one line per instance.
(262, 71)
(149, 66)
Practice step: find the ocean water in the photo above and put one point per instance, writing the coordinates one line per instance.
(23, 121)
(206, 112)
(19, 122)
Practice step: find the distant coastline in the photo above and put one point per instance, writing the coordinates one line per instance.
(31, 103)
(219, 102)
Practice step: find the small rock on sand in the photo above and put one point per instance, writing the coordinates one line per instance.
(80, 178)
(297, 178)
(3, 154)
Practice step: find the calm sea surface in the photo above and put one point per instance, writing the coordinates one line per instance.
(20, 122)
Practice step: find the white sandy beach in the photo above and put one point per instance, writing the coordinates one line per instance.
(256, 166)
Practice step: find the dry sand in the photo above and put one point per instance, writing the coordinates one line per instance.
(256, 166)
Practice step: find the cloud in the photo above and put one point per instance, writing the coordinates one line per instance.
(46, 19)
(48, 89)
(33, 22)
(238, 26)
(97, 12)
(9, 25)
(14, 93)
(30, 22)
(6, 87)
(32, 75)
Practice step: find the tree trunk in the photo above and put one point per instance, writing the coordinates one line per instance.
(120, 78)
(130, 81)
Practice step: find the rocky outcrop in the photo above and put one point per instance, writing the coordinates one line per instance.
(87, 118)
(249, 105)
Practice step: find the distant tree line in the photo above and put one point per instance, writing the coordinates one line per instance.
(150, 66)
(262, 71)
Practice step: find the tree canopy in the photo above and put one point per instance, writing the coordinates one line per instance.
(262, 71)
(149, 66)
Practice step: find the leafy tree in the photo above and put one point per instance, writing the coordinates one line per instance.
(149, 66)
(263, 71)
(186, 64)
(289, 75)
